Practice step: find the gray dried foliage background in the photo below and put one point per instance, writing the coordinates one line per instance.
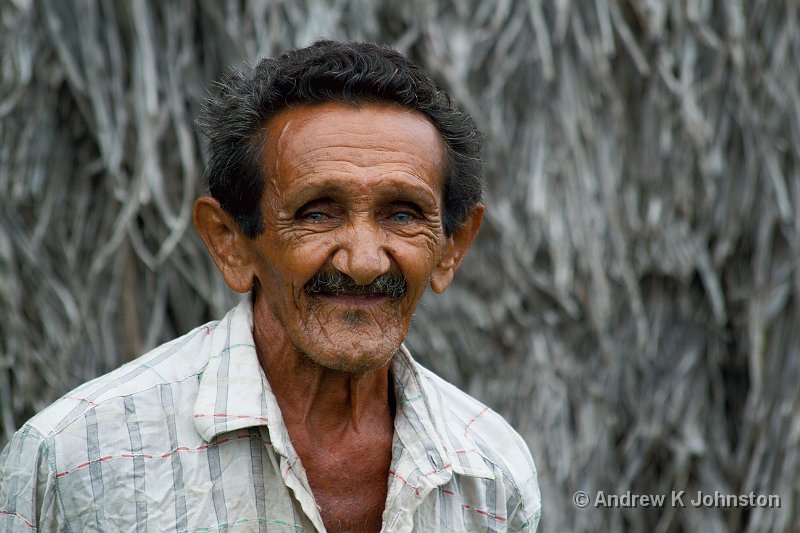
(631, 305)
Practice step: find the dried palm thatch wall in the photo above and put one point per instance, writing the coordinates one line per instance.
(632, 304)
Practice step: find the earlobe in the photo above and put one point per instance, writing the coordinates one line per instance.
(228, 248)
(442, 274)
(456, 248)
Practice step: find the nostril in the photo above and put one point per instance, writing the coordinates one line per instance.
(362, 257)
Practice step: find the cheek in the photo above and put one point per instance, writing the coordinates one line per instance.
(417, 258)
(300, 258)
(282, 273)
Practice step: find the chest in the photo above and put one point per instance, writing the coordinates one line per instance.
(242, 481)
(349, 481)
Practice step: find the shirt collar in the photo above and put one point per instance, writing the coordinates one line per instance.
(234, 394)
(433, 435)
(233, 391)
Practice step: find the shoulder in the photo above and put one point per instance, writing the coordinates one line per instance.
(503, 450)
(175, 363)
(487, 430)
(49, 461)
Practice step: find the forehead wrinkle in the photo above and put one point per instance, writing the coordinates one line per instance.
(360, 154)
(358, 144)
(400, 133)
(349, 188)
(350, 174)
(359, 170)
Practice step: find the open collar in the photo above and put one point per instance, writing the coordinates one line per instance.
(234, 394)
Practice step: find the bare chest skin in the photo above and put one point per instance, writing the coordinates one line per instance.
(348, 476)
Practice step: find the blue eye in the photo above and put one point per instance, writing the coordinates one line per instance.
(315, 217)
(401, 216)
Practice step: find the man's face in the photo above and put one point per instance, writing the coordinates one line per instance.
(353, 191)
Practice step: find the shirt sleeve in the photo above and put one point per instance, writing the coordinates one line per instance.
(522, 521)
(28, 496)
(528, 509)
(526, 513)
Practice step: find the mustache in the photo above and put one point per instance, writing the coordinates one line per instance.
(340, 284)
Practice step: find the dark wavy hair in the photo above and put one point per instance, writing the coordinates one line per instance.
(352, 72)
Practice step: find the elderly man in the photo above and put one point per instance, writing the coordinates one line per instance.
(342, 183)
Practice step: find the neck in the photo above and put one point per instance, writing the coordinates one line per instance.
(330, 401)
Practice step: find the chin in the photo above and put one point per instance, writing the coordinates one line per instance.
(355, 338)
(352, 351)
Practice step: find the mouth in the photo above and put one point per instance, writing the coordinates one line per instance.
(354, 300)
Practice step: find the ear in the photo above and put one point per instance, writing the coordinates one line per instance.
(455, 250)
(229, 249)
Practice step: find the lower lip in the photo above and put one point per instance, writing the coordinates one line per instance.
(349, 300)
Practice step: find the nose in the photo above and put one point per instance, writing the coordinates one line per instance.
(362, 254)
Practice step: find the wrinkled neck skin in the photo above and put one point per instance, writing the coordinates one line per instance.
(324, 404)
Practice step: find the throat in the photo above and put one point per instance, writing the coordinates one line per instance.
(347, 468)
(340, 423)
(329, 402)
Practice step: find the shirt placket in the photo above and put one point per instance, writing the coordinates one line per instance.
(295, 479)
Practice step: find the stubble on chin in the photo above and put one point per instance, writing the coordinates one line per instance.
(348, 352)
(346, 364)
(354, 341)
(355, 317)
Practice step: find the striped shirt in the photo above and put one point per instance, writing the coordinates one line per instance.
(189, 438)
